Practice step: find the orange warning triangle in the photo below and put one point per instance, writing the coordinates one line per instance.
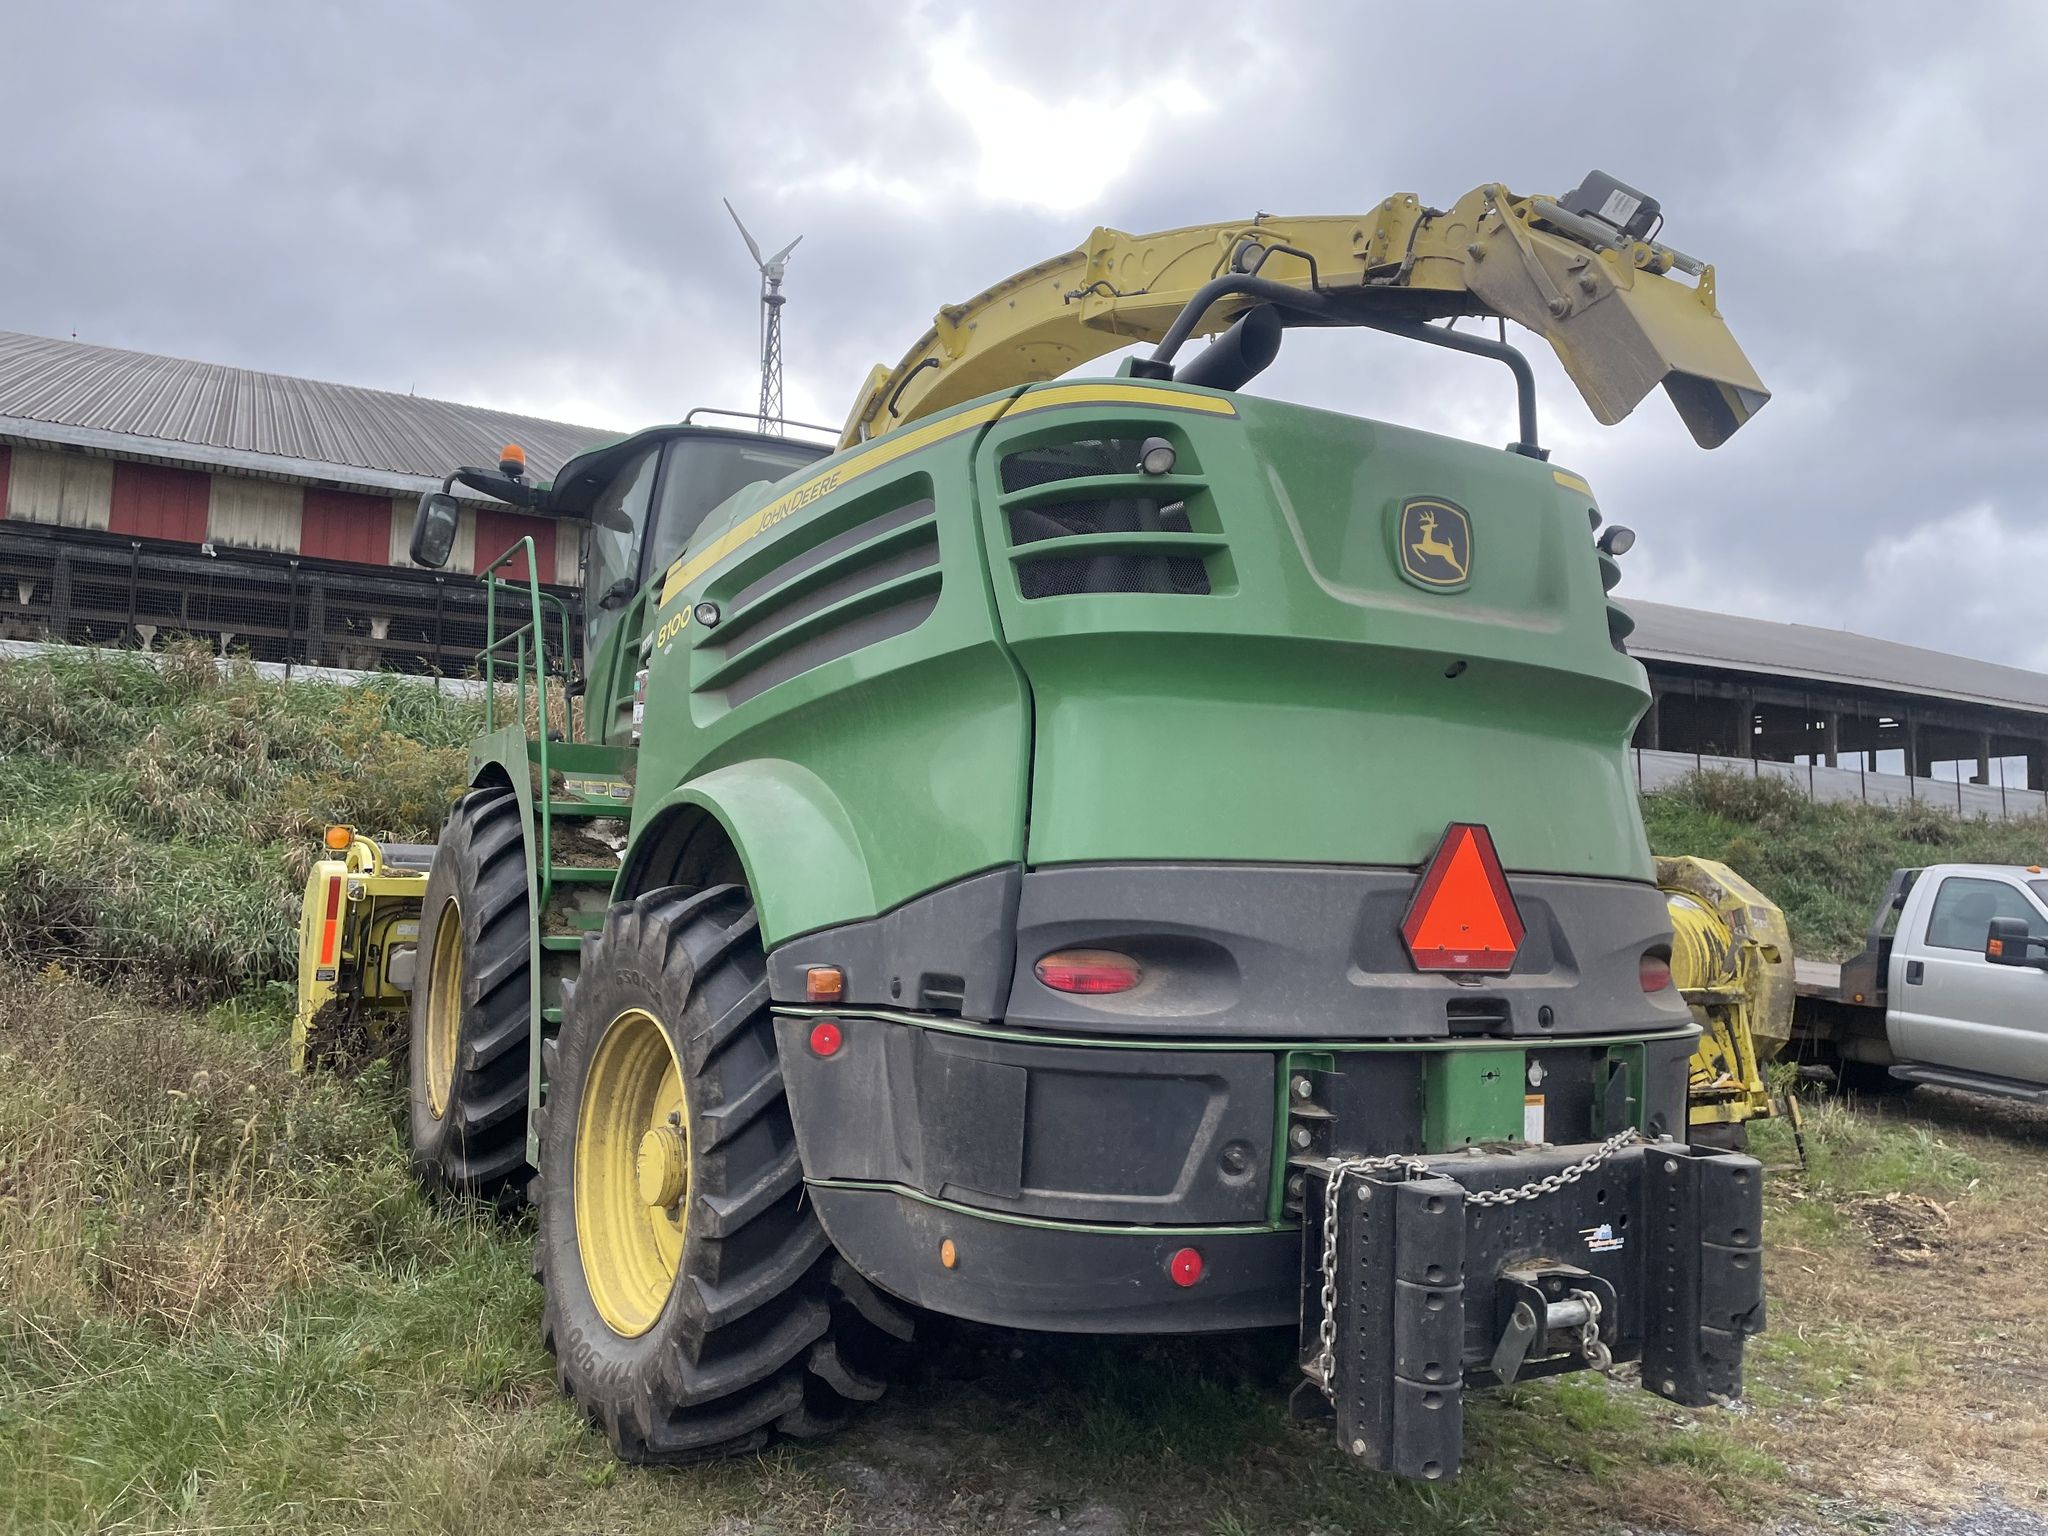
(1463, 917)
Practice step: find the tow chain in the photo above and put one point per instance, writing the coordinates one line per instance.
(1325, 1365)
(1597, 1354)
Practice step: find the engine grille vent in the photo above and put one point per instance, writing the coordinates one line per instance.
(1082, 518)
(875, 580)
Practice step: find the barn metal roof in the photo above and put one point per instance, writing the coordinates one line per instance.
(1689, 636)
(110, 401)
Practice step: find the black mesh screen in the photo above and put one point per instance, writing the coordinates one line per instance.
(1063, 575)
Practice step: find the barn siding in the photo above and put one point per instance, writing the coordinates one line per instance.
(151, 501)
(402, 509)
(342, 525)
(6, 463)
(255, 514)
(568, 552)
(63, 488)
(498, 531)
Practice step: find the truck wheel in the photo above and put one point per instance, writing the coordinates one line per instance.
(694, 1306)
(470, 1038)
(1872, 1080)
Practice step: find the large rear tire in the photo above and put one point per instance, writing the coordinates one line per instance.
(694, 1305)
(471, 1014)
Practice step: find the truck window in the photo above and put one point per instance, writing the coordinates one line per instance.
(702, 472)
(614, 551)
(1964, 908)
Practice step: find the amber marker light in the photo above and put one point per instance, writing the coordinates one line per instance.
(824, 984)
(949, 1256)
(512, 460)
(338, 838)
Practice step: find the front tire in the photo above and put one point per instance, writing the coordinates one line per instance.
(694, 1305)
(471, 1036)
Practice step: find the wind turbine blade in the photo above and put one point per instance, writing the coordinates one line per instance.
(753, 249)
(783, 255)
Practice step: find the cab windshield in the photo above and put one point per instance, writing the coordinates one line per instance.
(668, 489)
(703, 472)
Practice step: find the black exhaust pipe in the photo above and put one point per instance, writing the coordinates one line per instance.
(1239, 355)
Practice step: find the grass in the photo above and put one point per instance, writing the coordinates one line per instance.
(225, 1306)
(156, 821)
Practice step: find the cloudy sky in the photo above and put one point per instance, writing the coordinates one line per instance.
(518, 205)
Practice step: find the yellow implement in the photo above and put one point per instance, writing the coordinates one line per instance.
(1603, 296)
(1731, 956)
(358, 928)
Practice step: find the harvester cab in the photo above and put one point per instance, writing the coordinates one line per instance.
(1114, 855)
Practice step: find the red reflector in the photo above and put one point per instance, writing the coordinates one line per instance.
(1656, 973)
(1088, 970)
(1463, 917)
(1185, 1267)
(825, 1038)
(331, 929)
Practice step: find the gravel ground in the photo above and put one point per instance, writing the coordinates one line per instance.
(1994, 1517)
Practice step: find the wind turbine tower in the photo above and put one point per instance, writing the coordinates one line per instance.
(772, 301)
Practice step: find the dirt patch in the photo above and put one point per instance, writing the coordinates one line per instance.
(593, 844)
(345, 1040)
(1905, 1229)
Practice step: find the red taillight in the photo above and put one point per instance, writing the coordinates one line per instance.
(825, 1038)
(1656, 973)
(1185, 1266)
(1089, 970)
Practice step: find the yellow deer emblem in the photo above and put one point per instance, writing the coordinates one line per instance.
(1436, 543)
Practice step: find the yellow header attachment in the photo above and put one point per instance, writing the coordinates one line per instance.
(1595, 287)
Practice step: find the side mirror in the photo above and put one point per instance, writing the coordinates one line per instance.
(2009, 943)
(433, 529)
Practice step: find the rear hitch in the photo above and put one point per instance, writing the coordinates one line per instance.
(1552, 1312)
(1649, 1252)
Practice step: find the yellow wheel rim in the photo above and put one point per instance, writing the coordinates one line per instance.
(444, 1009)
(632, 1182)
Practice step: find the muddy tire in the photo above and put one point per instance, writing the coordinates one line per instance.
(471, 1026)
(694, 1305)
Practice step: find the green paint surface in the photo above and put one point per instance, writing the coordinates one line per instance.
(1315, 706)
(1469, 1097)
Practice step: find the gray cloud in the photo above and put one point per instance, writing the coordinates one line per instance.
(517, 204)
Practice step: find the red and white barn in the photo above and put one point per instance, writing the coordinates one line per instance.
(142, 496)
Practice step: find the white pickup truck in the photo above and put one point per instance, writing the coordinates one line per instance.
(1951, 987)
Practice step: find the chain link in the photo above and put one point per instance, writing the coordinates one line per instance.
(1551, 1183)
(1597, 1354)
(1325, 1363)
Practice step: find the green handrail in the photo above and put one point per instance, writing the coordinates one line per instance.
(534, 630)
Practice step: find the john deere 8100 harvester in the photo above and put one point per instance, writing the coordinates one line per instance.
(1112, 855)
